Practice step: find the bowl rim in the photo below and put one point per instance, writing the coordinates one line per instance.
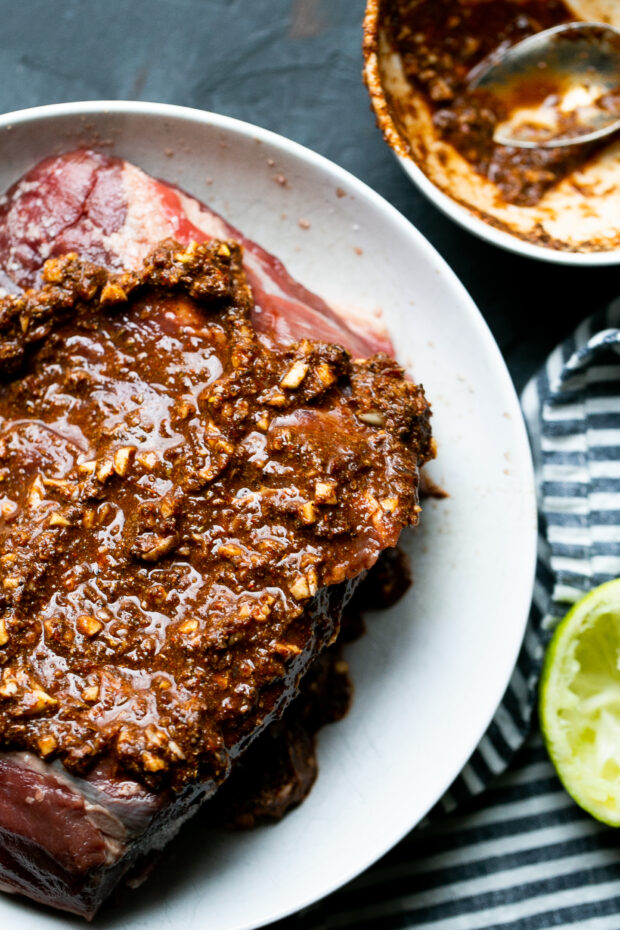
(524, 596)
(453, 209)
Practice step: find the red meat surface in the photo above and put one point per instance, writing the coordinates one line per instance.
(65, 840)
(113, 213)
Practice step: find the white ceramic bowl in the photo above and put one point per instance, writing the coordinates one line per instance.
(573, 215)
(430, 672)
(504, 240)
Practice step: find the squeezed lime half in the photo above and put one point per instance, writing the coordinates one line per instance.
(580, 702)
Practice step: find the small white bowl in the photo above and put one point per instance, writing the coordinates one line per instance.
(582, 220)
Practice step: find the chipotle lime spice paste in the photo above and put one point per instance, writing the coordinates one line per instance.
(181, 506)
(439, 42)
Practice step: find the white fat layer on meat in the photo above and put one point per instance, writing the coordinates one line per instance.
(210, 223)
(109, 825)
(150, 219)
(214, 227)
(146, 222)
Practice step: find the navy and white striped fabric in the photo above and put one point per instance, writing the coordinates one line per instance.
(522, 855)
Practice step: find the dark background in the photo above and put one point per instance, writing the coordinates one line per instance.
(292, 66)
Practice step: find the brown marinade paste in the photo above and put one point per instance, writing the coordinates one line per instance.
(175, 494)
(279, 769)
(440, 41)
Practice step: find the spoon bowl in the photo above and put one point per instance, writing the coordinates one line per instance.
(560, 87)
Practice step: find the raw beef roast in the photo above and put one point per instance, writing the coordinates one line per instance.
(194, 474)
(109, 211)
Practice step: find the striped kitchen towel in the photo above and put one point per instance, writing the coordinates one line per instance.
(522, 855)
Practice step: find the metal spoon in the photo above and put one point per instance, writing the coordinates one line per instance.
(560, 86)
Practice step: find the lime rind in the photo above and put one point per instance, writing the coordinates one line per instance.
(580, 702)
